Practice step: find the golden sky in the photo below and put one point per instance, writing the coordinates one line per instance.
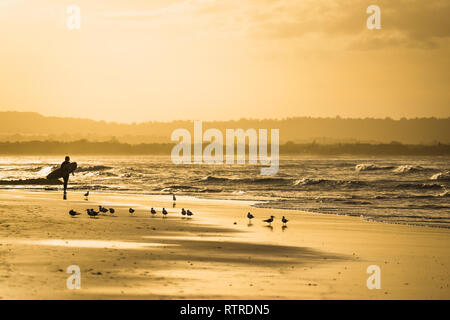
(140, 60)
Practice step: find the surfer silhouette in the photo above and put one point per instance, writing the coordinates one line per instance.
(64, 171)
(66, 168)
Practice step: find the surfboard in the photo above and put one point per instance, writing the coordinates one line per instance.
(59, 173)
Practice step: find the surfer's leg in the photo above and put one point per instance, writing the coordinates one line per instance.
(66, 180)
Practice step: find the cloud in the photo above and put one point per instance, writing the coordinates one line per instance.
(405, 23)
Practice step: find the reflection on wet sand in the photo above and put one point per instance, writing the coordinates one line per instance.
(95, 244)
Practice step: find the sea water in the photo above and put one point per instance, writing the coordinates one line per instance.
(395, 190)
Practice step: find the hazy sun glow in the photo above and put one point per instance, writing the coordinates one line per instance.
(140, 60)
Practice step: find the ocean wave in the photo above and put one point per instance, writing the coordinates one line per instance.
(441, 176)
(105, 174)
(309, 181)
(412, 196)
(429, 206)
(189, 189)
(179, 187)
(93, 168)
(209, 191)
(44, 171)
(214, 179)
(98, 187)
(126, 175)
(444, 194)
(408, 168)
(355, 202)
(24, 182)
(39, 170)
(432, 186)
(406, 217)
(318, 181)
(371, 167)
(247, 180)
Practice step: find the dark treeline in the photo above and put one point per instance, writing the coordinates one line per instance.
(365, 149)
(84, 147)
(28, 126)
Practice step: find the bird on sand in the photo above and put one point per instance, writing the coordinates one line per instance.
(86, 194)
(74, 213)
(164, 212)
(189, 213)
(152, 211)
(131, 211)
(284, 220)
(183, 212)
(270, 220)
(250, 217)
(111, 210)
(174, 198)
(102, 209)
(92, 213)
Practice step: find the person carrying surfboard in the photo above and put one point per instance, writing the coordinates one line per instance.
(64, 171)
(66, 168)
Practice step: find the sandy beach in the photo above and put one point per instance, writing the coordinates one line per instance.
(214, 255)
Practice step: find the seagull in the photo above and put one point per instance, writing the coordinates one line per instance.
(86, 194)
(92, 213)
(74, 213)
(183, 212)
(284, 220)
(250, 217)
(152, 211)
(189, 213)
(131, 211)
(164, 211)
(270, 220)
(111, 210)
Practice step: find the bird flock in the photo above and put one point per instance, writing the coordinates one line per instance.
(185, 213)
(111, 211)
(269, 221)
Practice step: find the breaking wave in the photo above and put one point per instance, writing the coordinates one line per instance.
(371, 167)
(311, 181)
(408, 168)
(432, 186)
(441, 176)
(24, 182)
(246, 180)
(93, 168)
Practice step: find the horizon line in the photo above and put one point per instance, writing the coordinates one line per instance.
(231, 119)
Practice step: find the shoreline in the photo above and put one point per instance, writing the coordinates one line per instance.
(214, 255)
(252, 203)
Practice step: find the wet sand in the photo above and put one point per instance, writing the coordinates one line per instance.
(214, 255)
